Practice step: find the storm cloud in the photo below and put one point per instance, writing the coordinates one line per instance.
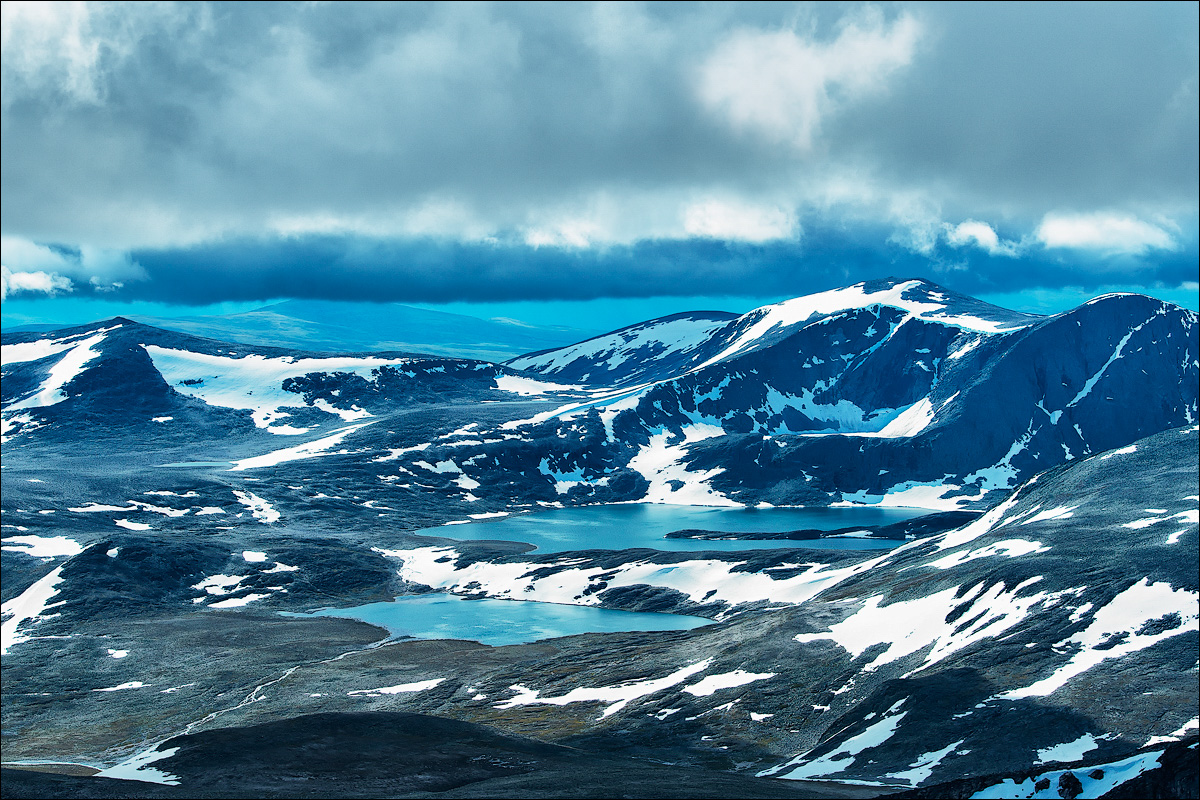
(431, 152)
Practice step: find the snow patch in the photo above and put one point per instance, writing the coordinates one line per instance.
(317, 447)
(919, 771)
(138, 768)
(528, 387)
(1113, 774)
(1067, 752)
(726, 680)
(123, 687)
(617, 696)
(42, 546)
(1118, 629)
(400, 688)
(909, 626)
(262, 511)
(62, 373)
(670, 481)
(27, 606)
(843, 756)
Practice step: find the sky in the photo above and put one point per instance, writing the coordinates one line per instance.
(606, 162)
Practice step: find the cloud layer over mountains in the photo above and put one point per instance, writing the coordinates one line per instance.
(198, 152)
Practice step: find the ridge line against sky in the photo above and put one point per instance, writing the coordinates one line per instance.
(199, 156)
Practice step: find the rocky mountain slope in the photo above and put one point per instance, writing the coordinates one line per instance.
(166, 496)
(894, 392)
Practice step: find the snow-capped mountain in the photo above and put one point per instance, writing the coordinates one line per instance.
(671, 346)
(648, 351)
(890, 392)
(129, 374)
(904, 402)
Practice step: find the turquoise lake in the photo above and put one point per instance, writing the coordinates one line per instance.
(500, 622)
(618, 527)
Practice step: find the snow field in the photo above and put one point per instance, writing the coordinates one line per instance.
(27, 607)
(138, 768)
(658, 338)
(1123, 621)
(402, 688)
(65, 370)
(661, 464)
(838, 760)
(701, 581)
(909, 626)
(617, 696)
(317, 447)
(255, 382)
(1115, 773)
(42, 546)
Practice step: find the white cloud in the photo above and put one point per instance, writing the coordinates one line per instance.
(56, 47)
(1114, 233)
(31, 267)
(719, 219)
(567, 233)
(32, 282)
(782, 83)
(67, 48)
(22, 255)
(981, 235)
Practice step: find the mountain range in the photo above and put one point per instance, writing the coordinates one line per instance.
(167, 495)
(335, 326)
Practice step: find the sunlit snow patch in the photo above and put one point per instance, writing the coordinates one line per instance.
(662, 465)
(124, 687)
(618, 696)
(262, 511)
(22, 352)
(27, 606)
(317, 447)
(908, 626)
(238, 602)
(1175, 735)
(42, 546)
(1121, 628)
(726, 680)
(220, 584)
(255, 382)
(402, 688)
(802, 309)
(528, 387)
(701, 580)
(63, 372)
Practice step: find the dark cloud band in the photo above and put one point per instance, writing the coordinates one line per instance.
(433, 271)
